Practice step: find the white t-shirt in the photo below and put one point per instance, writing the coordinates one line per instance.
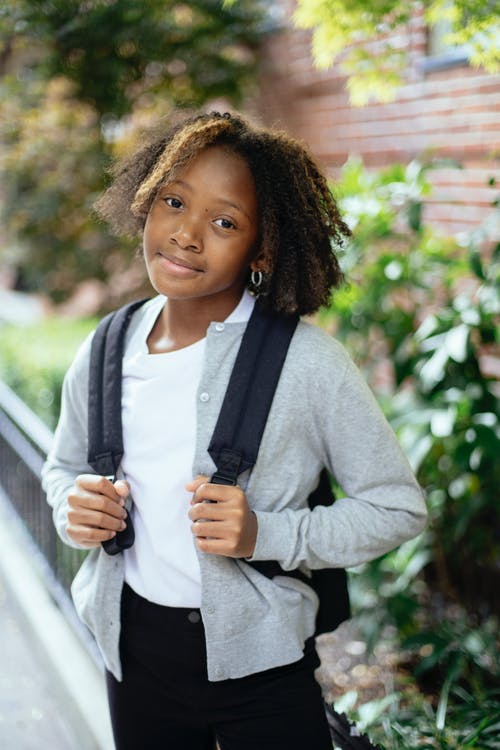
(159, 429)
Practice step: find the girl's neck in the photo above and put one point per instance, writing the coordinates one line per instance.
(184, 322)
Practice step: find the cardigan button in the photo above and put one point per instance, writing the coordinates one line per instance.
(204, 397)
(219, 326)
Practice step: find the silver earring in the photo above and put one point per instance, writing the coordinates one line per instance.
(256, 278)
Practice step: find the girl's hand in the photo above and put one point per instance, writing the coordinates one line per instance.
(96, 509)
(225, 525)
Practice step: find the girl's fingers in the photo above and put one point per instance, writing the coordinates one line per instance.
(216, 546)
(96, 483)
(220, 493)
(96, 511)
(100, 485)
(96, 519)
(193, 485)
(82, 500)
(89, 537)
(213, 512)
(215, 530)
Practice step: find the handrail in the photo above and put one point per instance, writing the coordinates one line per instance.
(24, 443)
(21, 414)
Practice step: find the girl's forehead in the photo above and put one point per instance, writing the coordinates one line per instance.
(217, 162)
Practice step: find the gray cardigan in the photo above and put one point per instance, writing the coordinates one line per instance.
(323, 414)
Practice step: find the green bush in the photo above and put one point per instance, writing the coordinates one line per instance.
(419, 316)
(397, 723)
(34, 359)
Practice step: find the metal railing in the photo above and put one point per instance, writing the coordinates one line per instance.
(24, 443)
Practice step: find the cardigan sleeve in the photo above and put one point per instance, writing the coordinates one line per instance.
(383, 504)
(68, 455)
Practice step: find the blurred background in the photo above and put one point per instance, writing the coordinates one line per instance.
(400, 104)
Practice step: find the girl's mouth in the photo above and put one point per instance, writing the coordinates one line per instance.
(178, 266)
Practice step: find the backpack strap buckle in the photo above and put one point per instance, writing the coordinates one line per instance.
(105, 464)
(228, 467)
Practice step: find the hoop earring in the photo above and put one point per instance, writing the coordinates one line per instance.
(256, 277)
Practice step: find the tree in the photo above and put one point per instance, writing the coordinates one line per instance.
(115, 51)
(78, 80)
(360, 34)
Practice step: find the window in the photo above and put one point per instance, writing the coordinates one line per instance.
(440, 53)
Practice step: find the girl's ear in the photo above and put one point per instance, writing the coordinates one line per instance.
(261, 262)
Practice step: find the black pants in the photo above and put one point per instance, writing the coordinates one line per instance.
(166, 702)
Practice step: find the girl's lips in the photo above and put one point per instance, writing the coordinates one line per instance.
(177, 266)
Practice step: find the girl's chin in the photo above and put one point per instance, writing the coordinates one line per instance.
(172, 286)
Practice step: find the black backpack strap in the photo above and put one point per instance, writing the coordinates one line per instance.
(330, 584)
(237, 435)
(236, 438)
(105, 439)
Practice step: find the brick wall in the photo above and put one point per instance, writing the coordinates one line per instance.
(452, 113)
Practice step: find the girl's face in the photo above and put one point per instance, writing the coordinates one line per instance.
(201, 231)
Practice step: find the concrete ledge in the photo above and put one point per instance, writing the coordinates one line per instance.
(73, 668)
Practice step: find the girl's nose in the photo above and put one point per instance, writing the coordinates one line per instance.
(187, 235)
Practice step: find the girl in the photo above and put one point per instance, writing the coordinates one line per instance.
(198, 645)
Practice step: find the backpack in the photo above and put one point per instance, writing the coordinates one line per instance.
(236, 438)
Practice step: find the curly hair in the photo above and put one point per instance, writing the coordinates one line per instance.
(300, 230)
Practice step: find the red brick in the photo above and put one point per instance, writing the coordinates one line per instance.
(449, 113)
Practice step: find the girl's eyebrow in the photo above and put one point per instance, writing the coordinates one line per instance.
(233, 205)
(227, 202)
(177, 182)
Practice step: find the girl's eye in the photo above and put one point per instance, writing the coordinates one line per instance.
(224, 223)
(173, 202)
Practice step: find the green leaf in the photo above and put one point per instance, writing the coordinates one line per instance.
(432, 371)
(456, 342)
(453, 671)
(443, 422)
(346, 702)
(415, 215)
(476, 265)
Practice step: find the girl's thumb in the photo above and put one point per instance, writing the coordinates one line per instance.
(122, 487)
(193, 485)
